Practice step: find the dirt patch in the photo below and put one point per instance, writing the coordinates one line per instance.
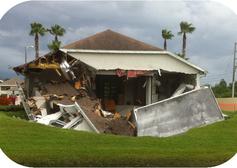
(105, 125)
(87, 104)
(63, 88)
(120, 127)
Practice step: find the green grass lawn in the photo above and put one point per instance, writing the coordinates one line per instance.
(33, 144)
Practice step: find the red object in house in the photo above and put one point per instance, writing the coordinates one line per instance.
(140, 72)
(134, 73)
(120, 72)
(131, 74)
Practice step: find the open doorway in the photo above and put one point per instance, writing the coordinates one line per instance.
(121, 94)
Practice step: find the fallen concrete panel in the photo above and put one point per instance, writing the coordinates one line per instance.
(84, 126)
(48, 118)
(75, 108)
(178, 114)
(73, 122)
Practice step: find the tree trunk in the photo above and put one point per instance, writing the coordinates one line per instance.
(56, 38)
(165, 44)
(184, 45)
(36, 45)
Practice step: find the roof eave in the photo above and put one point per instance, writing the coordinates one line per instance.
(204, 72)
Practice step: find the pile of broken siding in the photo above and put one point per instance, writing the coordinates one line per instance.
(64, 93)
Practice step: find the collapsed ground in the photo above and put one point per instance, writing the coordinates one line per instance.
(37, 145)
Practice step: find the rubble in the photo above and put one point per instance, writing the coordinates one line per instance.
(62, 94)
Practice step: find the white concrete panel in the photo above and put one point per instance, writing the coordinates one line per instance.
(178, 114)
(84, 126)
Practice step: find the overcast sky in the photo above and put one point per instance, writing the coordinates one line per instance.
(210, 46)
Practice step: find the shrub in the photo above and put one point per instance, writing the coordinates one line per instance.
(11, 108)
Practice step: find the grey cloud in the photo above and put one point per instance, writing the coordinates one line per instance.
(208, 46)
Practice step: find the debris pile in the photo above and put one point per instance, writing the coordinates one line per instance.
(56, 105)
(32, 104)
(114, 124)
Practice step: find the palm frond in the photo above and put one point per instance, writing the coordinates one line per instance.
(186, 27)
(54, 46)
(57, 30)
(167, 34)
(37, 28)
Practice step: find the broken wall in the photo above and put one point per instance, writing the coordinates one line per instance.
(164, 85)
(178, 114)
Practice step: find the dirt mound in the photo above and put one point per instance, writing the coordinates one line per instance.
(120, 127)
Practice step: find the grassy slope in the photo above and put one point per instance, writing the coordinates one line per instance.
(37, 145)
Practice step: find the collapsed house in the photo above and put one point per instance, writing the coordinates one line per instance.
(111, 83)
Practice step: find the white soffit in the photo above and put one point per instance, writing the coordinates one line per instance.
(134, 60)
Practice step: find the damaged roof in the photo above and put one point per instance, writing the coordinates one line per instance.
(110, 40)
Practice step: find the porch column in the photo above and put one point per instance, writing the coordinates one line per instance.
(148, 90)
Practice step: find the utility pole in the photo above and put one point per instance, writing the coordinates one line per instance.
(234, 69)
(26, 47)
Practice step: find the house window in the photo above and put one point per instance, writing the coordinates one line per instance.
(5, 88)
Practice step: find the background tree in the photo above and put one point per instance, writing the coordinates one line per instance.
(56, 31)
(54, 46)
(37, 30)
(222, 90)
(167, 35)
(185, 28)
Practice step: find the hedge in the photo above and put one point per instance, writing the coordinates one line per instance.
(11, 108)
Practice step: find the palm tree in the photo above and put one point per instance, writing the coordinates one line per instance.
(54, 46)
(37, 30)
(185, 28)
(56, 31)
(167, 35)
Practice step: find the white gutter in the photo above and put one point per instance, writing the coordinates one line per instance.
(133, 52)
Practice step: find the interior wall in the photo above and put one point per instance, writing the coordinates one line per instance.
(168, 83)
(122, 90)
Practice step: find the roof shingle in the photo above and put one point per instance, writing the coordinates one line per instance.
(110, 40)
